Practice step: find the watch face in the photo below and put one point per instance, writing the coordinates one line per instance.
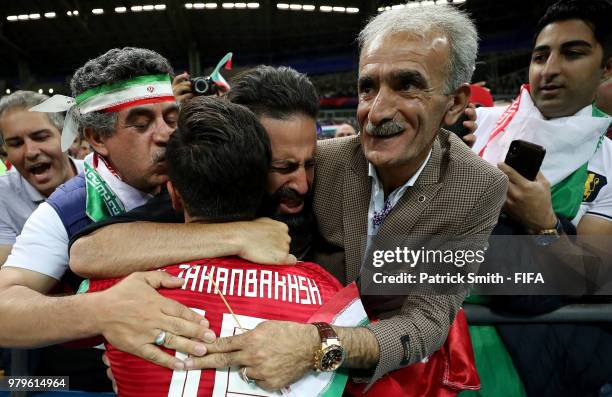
(332, 358)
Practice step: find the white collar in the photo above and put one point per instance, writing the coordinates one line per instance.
(377, 197)
(410, 182)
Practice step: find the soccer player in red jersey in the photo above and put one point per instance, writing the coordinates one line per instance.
(218, 162)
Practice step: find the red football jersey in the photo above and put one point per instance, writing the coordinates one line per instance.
(254, 292)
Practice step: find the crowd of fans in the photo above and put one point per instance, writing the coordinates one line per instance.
(263, 230)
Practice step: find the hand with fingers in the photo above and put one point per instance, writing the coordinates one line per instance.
(274, 354)
(181, 87)
(134, 317)
(266, 241)
(529, 202)
(470, 124)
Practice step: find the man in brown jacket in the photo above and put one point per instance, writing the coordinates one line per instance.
(402, 175)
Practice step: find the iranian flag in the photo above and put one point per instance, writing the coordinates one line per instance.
(444, 373)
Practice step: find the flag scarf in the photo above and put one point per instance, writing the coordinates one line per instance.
(102, 202)
(570, 142)
(107, 194)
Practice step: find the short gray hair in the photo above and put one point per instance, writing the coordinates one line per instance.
(456, 25)
(115, 65)
(26, 100)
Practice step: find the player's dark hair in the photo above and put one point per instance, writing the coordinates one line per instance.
(218, 160)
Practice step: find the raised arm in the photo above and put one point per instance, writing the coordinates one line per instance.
(140, 246)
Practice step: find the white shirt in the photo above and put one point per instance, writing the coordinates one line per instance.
(377, 197)
(42, 246)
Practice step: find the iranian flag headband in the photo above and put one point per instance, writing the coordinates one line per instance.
(107, 98)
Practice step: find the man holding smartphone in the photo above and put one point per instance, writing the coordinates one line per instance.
(571, 57)
(571, 194)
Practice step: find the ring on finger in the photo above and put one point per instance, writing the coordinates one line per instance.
(160, 339)
(245, 377)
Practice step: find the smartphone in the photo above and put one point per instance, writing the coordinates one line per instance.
(526, 158)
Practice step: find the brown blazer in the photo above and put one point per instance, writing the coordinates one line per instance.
(457, 193)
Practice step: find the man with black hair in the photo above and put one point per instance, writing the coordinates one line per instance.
(217, 162)
(572, 56)
(287, 106)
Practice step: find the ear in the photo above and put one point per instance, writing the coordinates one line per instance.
(97, 142)
(457, 103)
(175, 196)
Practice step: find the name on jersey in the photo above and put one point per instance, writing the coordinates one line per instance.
(251, 283)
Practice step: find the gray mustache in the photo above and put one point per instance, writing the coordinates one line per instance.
(387, 128)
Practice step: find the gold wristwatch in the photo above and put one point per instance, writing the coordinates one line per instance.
(331, 354)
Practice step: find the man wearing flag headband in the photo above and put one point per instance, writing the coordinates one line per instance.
(572, 194)
(123, 104)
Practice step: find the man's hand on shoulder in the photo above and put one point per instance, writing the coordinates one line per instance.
(131, 314)
(265, 241)
(529, 202)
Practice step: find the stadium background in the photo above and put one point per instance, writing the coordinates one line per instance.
(43, 41)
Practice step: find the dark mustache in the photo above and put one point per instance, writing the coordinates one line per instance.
(288, 194)
(385, 128)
